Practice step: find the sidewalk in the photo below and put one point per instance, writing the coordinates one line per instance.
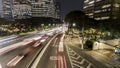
(78, 57)
(107, 54)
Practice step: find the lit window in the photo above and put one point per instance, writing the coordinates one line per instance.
(86, 1)
(98, 11)
(91, 2)
(116, 5)
(98, 0)
(97, 18)
(103, 18)
(90, 14)
(106, 6)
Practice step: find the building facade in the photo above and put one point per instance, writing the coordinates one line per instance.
(7, 9)
(43, 8)
(58, 10)
(1, 9)
(39, 9)
(102, 9)
(21, 10)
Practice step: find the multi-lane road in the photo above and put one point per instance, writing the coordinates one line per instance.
(45, 49)
(21, 52)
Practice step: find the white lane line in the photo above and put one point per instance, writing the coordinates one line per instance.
(77, 65)
(55, 66)
(61, 48)
(53, 58)
(89, 65)
(72, 54)
(14, 61)
(76, 58)
(34, 65)
(0, 66)
(61, 59)
(82, 61)
(69, 56)
(55, 42)
(74, 61)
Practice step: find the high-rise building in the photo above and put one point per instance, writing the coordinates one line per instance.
(58, 10)
(102, 9)
(39, 9)
(7, 9)
(43, 8)
(1, 9)
(21, 10)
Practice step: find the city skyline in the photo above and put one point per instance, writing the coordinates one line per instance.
(66, 6)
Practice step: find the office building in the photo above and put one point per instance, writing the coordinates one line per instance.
(21, 10)
(1, 9)
(57, 10)
(43, 8)
(7, 9)
(102, 9)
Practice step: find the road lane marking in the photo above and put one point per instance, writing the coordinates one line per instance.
(55, 42)
(61, 49)
(76, 58)
(89, 65)
(35, 63)
(53, 58)
(82, 61)
(0, 66)
(77, 65)
(73, 59)
(69, 55)
(73, 54)
(55, 66)
(14, 61)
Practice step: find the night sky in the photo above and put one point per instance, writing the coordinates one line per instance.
(69, 5)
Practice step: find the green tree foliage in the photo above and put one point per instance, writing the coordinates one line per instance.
(75, 16)
(89, 44)
(80, 19)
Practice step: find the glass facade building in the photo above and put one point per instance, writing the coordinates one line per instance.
(102, 9)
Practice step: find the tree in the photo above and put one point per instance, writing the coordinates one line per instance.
(75, 16)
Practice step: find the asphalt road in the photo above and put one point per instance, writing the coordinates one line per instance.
(50, 56)
(26, 61)
(14, 40)
(23, 56)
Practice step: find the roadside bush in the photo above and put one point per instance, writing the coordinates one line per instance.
(89, 44)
